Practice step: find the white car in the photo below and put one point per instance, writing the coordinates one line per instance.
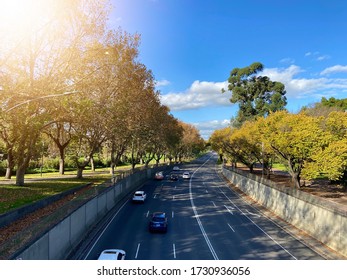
(176, 168)
(139, 196)
(186, 175)
(112, 254)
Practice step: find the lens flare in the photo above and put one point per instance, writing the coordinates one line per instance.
(18, 17)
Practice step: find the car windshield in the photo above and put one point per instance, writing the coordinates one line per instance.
(158, 219)
(138, 194)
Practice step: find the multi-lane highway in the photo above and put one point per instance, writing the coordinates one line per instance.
(206, 220)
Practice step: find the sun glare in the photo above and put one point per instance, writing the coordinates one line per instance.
(18, 16)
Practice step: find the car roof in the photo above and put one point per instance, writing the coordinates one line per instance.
(111, 254)
(139, 192)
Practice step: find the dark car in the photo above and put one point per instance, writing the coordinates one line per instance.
(173, 177)
(158, 222)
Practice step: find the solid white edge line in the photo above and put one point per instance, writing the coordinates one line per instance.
(105, 229)
(256, 224)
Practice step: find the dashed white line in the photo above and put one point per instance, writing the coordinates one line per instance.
(230, 211)
(231, 228)
(137, 250)
(197, 217)
(214, 204)
(174, 250)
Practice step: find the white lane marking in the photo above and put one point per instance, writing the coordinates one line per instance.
(97, 240)
(260, 227)
(208, 242)
(137, 250)
(174, 250)
(172, 214)
(147, 214)
(253, 214)
(214, 204)
(173, 197)
(230, 211)
(231, 228)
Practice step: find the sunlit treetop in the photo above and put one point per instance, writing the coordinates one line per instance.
(21, 16)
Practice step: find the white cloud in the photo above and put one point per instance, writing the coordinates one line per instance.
(162, 83)
(334, 69)
(298, 83)
(200, 94)
(208, 127)
(287, 60)
(317, 56)
(303, 87)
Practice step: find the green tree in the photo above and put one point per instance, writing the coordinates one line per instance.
(325, 107)
(256, 95)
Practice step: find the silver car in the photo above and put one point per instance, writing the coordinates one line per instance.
(112, 254)
(139, 196)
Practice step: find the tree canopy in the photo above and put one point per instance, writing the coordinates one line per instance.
(256, 95)
(71, 85)
(309, 146)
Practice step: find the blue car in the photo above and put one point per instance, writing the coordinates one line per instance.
(158, 222)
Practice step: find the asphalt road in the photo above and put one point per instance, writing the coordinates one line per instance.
(207, 220)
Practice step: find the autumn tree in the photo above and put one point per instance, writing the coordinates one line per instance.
(39, 53)
(191, 142)
(256, 95)
(330, 159)
(295, 138)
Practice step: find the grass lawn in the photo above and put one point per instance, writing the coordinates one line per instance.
(12, 196)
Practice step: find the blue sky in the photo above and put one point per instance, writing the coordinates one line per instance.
(192, 45)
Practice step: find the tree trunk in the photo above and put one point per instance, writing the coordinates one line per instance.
(92, 164)
(251, 168)
(20, 173)
(8, 173)
(112, 168)
(10, 165)
(295, 173)
(80, 172)
(61, 160)
(61, 166)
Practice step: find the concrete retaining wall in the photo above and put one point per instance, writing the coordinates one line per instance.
(324, 220)
(60, 240)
